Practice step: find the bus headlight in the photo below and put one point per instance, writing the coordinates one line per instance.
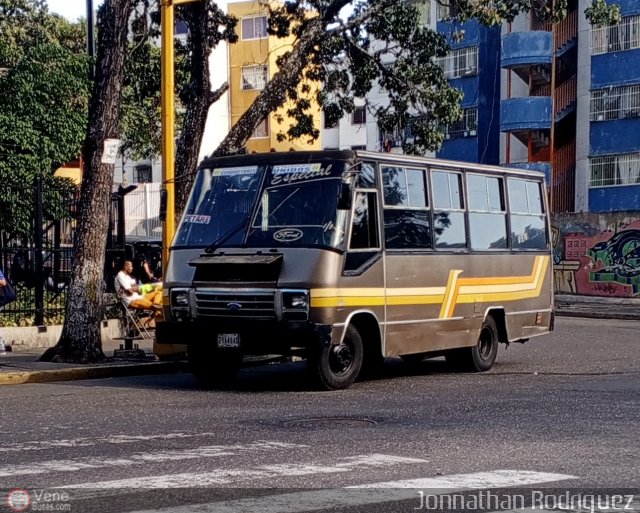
(295, 305)
(180, 299)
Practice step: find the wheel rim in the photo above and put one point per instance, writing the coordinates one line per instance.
(341, 358)
(485, 344)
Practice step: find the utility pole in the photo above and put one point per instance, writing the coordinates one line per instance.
(168, 122)
(91, 46)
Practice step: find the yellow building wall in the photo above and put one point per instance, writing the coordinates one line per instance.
(257, 52)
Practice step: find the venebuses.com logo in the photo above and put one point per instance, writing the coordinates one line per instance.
(18, 500)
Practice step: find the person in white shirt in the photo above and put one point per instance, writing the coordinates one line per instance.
(128, 289)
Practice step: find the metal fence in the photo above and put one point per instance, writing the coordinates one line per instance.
(40, 267)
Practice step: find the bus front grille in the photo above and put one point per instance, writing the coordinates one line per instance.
(251, 305)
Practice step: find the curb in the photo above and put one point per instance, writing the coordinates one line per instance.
(95, 372)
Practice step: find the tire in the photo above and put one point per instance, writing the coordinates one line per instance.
(482, 356)
(334, 367)
(213, 368)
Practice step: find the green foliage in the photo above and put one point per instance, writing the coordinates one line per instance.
(599, 12)
(43, 108)
(381, 45)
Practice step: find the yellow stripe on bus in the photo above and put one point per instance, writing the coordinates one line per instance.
(457, 291)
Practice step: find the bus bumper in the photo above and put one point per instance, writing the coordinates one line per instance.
(255, 337)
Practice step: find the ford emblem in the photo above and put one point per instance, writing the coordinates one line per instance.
(234, 306)
(288, 235)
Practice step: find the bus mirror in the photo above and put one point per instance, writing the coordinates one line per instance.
(346, 197)
(163, 205)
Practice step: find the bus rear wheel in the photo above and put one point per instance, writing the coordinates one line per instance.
(337, 366)
(213, 368)
(482, 356)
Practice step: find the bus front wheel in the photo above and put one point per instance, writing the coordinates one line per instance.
(337, 366)
(482, 356)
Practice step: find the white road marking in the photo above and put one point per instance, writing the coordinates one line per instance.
(369, 494)
(42, 445)
(207, 451)
(236, 476)
(477, 481)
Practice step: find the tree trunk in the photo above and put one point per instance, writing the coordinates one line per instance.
(80, 340)
(200, 100)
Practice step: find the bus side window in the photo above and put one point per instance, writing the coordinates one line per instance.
(364, 234)
(364, 245)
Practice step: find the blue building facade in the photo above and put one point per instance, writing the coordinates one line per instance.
(473, 66)
(613, 169)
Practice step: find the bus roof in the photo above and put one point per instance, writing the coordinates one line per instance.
(290, 157)
(283, 157)
(450, 164)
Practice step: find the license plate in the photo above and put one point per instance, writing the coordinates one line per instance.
(226, 340)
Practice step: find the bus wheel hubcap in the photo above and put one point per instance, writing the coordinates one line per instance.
(340, 358)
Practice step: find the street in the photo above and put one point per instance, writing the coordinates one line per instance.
(558, 414)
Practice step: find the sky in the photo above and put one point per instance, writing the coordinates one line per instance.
(71, 9)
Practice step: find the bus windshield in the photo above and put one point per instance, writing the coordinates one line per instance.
(293, 205)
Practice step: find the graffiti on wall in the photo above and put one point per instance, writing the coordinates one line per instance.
(597, 255)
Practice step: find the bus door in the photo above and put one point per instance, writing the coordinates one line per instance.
(407, 240)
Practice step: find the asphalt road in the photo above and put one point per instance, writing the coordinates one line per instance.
(557, 414)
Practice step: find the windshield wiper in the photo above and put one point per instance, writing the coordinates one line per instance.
(221, 240)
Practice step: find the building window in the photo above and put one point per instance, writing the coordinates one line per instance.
(466, 127)
(262, 130)
(143, 173)
(424, 11)
(446, 9)
(328, 124)
(461, 62)
(254, 27)
(614, 170)
(615, 103)
(359, 116)
(616, 37)
(254, 78)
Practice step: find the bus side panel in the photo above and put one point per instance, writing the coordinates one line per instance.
(361, 294)
(438, 301)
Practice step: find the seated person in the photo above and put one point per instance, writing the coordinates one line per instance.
(129, 290)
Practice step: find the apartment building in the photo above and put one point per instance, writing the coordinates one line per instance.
(473, 67)
(608, 173)
(252, 63)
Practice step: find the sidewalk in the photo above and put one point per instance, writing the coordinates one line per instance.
(23, 366)
(597, 307)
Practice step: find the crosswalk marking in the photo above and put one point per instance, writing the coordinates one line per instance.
(209, 451)
(369, 494)
(43, 445)
(236, 476)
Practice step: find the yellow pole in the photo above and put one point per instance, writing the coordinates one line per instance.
(168, 122)
(168, 126)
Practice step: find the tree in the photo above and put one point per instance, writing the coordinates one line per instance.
(44, 94)
(80, 340)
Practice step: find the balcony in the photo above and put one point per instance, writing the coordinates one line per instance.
(524, 49)
(524, 114)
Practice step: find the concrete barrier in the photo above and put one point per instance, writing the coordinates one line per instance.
(42, 337)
